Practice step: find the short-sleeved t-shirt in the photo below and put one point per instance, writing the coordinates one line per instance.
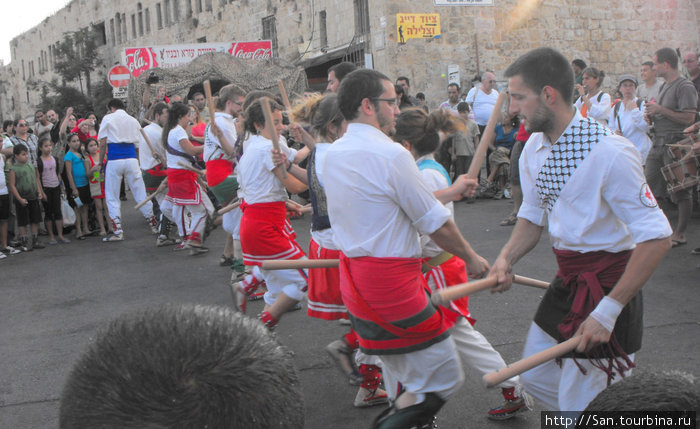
(77, 168)
(25, 180)
(466, 144)
(677, 95)
(176, 134)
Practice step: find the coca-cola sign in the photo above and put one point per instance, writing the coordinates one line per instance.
(139, 59)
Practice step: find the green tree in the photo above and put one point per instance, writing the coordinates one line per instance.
(77, 57)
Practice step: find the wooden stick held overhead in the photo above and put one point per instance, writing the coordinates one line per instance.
(162, 187)
(283, 93)
(487, 138)
(210, 99)
(270, 128)
(495, 378)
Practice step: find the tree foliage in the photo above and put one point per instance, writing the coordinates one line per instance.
(77, 57)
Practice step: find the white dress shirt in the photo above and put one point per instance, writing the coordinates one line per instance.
(634, 127)
(154, 132)
(378, 202)
(259, 184)
(603, 206)
(324, 237)
(119, 127)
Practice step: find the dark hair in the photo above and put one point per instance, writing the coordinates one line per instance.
(188, 366)
(544, 67)
(456, 85)
(327, 113)
(88, 141)
(175, 113)
(196, 94)
(408, 82)
(42, 140)
(38, 111)
(254, 114)
(462, 107)
(667, 55)
(19, 148)
(595, 73)
(6, 123)
(158, 108)
(420, 96)
(399, 92)
(229, 92)
(116, 104)
(421, 129)
(20, 119)
(579, 63)
(358, 85)
(649, 64)
(341, 70)
(254, 95)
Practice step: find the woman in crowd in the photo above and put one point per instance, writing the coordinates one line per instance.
(594, 102)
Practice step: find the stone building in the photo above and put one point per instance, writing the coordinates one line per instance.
(476, 35)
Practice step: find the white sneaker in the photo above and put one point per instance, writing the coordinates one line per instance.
(9, 251)
(2, 256)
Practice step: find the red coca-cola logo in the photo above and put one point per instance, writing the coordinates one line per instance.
(252, 50)
(138, 60)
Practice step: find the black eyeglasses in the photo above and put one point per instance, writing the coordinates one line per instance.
(22, 124)
(388, 100)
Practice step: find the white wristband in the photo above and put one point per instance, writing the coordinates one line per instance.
(606, 312)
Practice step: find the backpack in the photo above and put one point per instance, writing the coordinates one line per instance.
(616, 109)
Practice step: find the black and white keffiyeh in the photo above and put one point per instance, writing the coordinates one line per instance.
(567, 154)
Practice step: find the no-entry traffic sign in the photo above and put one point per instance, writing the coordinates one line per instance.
(118, 76)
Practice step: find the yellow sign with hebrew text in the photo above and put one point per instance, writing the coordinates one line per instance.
(417, 26)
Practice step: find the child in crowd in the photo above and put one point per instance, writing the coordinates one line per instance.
(26, 188)
(79, 197)
(50, 174)
(4, 213)
(96, 180)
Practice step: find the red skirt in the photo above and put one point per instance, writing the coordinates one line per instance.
(266, 234)
(183, 188)
(324, 297)
(387, 299)
(450, 273)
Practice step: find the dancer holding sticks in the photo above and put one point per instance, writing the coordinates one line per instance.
(608, 235)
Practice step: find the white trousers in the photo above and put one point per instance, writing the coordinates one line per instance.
(475, 351)
(289, 282)
(196, 222)
(436, 369)
(129, 170)
(562, 388)
(232, 222)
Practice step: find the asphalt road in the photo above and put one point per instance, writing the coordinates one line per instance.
(54, 300)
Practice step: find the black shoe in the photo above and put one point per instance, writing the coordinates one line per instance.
(36, 244)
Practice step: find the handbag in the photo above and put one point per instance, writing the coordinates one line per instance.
(67, 212)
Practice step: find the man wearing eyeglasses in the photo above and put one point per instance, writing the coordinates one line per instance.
(378, 204)
(482, 100)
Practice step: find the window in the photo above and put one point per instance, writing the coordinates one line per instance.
(198, 6)
(208, 6)
(124, 35)
(99, 34)
(167, 13)
(111, 31)
(270, 32)
(148, 21)
(140, 12)
(176, 10)
(361, 17)
(322, 28)
(188, 8)
(24, 76)
(133, 25)
(118, 25)
(159, 16)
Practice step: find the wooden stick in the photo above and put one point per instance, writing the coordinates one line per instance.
(488, 136)
(296, 264)
(193, 169)
(163, 186)
(210, 99)
(229, 207)
(270, 128)
(444, 296)
(148, 142)
(497, 377)
(283, 93)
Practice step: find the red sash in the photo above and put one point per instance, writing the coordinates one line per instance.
(218, 170)
(183, 189)
(450, 273)
(265, 233)
(388, 302)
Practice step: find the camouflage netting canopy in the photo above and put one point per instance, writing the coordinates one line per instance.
(248, 74)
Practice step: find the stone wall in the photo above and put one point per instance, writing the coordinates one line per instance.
(615, 38)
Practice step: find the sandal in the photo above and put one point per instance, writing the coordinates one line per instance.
(226, 261)
(509, 221)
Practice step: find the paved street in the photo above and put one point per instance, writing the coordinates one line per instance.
(54, 300)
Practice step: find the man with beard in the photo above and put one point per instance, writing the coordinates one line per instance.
(369, 179)
(607, 231)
